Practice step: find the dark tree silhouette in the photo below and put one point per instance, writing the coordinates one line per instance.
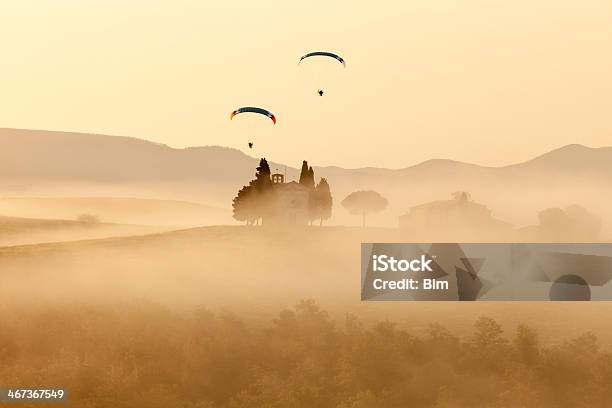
(364, 202)
(310, 179)
(253, 200)
(263, 182)
(307, 178)
(242, 205)
(263, 188)
(320, 202)
(304, 172)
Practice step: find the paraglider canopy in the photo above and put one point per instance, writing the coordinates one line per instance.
(254, 110)
(324, 54)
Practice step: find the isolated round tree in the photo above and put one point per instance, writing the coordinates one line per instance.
(364, 202)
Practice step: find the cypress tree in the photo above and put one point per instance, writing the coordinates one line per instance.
(310, 179)
(263, 187)
(263, 180)
(304, 172)
(324, 201)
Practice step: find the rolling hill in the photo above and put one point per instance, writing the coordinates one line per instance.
(44, 163)
(120, 210)
(27, 231)
(83, 157)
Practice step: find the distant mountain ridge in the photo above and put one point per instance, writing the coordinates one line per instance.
(46, 163)
(94, 157)
(68, 155)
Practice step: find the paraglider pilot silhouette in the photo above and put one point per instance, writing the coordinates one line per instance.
(323, 54)
(252, 109)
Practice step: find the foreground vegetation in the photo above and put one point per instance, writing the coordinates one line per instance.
(147, 356)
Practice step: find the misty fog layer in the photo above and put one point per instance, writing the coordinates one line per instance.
(69, 173)
(129, 283)
(250, 270)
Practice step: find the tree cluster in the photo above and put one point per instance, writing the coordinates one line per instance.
(255, 200)
(144, 355)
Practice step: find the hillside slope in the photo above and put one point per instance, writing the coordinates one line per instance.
(42, 163)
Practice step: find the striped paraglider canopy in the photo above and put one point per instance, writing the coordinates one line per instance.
(251, 109)
(324, 54)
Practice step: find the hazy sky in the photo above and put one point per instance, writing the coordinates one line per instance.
(484, 81)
